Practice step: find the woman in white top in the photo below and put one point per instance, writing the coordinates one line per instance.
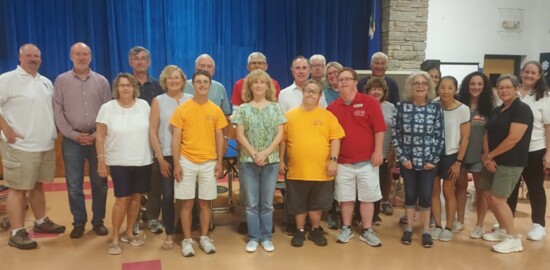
(457, 133)
(535, 93)
(172, 80)
(123, 151)
(377, 88)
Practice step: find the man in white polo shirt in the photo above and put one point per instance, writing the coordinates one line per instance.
(28, 137)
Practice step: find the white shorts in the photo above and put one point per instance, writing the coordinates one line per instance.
(201, 175)
(354, 181)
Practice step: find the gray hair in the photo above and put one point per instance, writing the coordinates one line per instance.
(318, 57)
(28, 45)
(379, 55)
(205, 55)
(407, 92)
(512, 78)
(256, 54)
(137, 49)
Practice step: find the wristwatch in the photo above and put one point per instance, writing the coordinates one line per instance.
(333, 158)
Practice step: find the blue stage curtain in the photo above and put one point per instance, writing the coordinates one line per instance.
(177, 31)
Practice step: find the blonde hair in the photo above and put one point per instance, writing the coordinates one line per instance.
(132, 81)
(254, 76)
(166, 72)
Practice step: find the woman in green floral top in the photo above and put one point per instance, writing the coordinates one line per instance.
(259, 130)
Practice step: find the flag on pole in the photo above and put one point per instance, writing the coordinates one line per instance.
(374, 30)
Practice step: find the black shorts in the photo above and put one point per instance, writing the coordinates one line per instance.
(128, 180)
(445, 163)
(304, 196)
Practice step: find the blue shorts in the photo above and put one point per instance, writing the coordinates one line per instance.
(445, 163)
(473, 167)
(128, 180)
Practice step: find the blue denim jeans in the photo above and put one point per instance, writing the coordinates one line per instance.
(168, 210)
(418, 187)
(74, 156)
(259, 188)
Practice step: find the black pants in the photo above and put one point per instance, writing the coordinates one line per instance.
(533, 175)
(384, 183)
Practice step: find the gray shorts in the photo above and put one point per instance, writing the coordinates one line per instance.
(502, 182)
(473, 167)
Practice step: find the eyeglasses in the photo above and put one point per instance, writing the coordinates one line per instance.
(345, 79)
(507, 87)
(317, 65)
(257, 63)
(333, 73)
(140, 59)
(417, 84)
(311, 92)
(125, 86)
(202, 82)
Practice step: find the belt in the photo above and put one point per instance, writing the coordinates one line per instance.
(89, 131)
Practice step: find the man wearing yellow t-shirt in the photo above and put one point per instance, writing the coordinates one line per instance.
(198, 137)
(312, 142)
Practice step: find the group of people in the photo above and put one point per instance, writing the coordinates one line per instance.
(334, 138)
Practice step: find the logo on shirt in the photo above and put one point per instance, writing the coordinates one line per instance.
(210, 117)
(317, 122)
(359, 113)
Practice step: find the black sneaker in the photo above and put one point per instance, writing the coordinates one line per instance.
(21, 240)
(406, 239)
(316, 235)
(298, 238)
(427, 240)
(77, 232)
(48, 226)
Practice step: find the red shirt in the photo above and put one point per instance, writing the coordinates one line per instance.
(237, 97)
(361, 119)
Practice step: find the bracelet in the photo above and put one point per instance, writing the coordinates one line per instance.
(98, 156)
(459, 161)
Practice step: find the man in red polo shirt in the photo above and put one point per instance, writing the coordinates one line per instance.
(360, 155)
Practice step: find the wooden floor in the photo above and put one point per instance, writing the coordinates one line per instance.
(90, 251)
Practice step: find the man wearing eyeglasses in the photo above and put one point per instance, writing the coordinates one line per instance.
(318, 63)
(379, 66)
(360, 155)
(311, 141)
(256, 60)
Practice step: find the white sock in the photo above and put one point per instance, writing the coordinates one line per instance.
(14, 231)
(41, 221)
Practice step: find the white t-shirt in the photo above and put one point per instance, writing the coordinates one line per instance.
(26, 103)
(541, 114)
(127, 140)
(453, 120)
(291, 97)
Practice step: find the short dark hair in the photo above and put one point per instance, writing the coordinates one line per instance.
(201, 72)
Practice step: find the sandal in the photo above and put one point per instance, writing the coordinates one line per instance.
(134, 241)
(114, 249)
(167, 245)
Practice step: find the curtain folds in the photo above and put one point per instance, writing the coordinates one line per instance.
(177, 31)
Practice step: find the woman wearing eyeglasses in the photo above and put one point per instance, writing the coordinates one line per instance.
(123, 151)
(418, 139)
(506, 150)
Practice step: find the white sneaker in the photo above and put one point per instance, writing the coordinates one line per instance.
(251, 246)
(477, 232)
(268, 245)
(457, 226)
(495, 236)
(207, 245)
(187, 248)
(536, 233)
(509, 245)
(436, 233)
(446, 236)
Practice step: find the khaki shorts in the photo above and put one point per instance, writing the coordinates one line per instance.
(22, 170)
(502, 182)
(201, 175)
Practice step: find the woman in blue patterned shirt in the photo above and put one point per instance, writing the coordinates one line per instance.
(418, 140)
